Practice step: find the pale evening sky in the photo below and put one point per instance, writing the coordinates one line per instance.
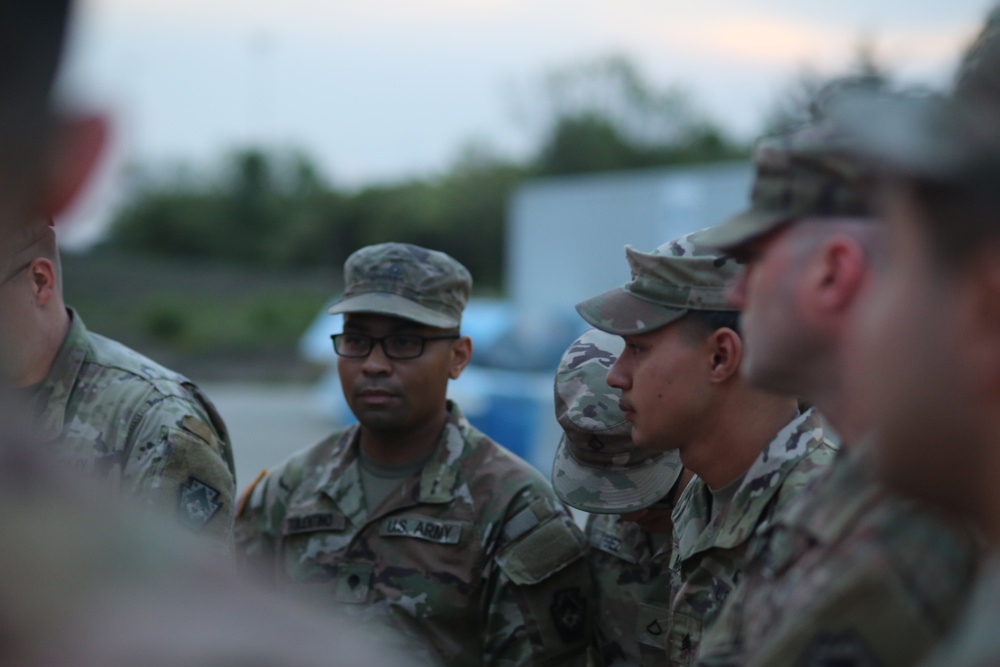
(382, 89)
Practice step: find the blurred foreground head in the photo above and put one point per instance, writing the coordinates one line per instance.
(929, 335)
(46, 153)
(805, 243)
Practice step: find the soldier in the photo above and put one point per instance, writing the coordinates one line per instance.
(413, 515)
(630, 491)
(106, 410)
(848, 573)
(751, 451)
(928, 339)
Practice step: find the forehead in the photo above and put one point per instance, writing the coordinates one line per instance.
(377, 322)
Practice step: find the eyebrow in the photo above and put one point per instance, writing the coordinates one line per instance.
(402, 327)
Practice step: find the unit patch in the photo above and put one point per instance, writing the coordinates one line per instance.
(569, 613)
(442, 532)
(197, 503)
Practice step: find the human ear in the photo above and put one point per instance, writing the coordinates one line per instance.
(838, 274)
(44, 282)
(461, 354)
(76, 149)
(978, 317)
(726, 349)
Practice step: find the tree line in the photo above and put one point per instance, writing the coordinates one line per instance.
(274, 209)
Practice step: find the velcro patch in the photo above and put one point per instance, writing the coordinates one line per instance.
(309, 523)
(197, 503)
(542, 552)
(422, 528)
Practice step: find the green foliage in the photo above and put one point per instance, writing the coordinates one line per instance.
(273, 210)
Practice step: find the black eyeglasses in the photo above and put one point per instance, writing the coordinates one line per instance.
(395, 346)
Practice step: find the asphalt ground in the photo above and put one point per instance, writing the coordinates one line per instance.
(268, 423)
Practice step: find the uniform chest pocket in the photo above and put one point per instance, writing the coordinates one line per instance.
(311, 545)
(613, 545)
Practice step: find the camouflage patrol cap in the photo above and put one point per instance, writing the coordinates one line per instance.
(597, 468)
(666, 284)
(406, 281)
(935, 136)
(806, 172)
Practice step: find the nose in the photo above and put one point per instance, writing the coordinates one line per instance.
(376, 363)
(618, 377)
(737, 294)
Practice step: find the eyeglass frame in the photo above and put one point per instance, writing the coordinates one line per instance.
(372, 340)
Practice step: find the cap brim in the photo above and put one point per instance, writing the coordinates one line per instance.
(385, 303)
(741, 229)
(621, 313)
(926, 136)
(606, 490)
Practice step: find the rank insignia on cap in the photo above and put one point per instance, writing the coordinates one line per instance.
(197, 503)
(569, 610)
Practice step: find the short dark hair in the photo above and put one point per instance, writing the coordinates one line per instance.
(702, 323)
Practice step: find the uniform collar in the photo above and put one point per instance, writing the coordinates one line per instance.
(695, 529)
(436, 483)
(54, 392)
(848, 491)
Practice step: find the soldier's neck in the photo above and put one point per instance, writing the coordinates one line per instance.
(843, 414)
(42, 350)
(402, 446)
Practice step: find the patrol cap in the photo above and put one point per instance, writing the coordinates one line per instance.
(934, 136)
(597, 468)
(805, 172)
(666, 284)
(407, 281)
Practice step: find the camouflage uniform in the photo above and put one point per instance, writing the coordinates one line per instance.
(847, 573)
(632, 585)
(711, 544)
(112, 413)
(599, 469)
(474, 553)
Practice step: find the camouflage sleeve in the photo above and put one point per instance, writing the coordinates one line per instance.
(538, 605)
(867, 619)
(181, 461)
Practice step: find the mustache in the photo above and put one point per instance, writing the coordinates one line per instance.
(377, 386)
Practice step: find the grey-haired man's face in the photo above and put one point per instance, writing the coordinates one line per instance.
(776, 340)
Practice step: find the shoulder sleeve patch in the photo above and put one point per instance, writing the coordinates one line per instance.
(251, 491)
(550, 547)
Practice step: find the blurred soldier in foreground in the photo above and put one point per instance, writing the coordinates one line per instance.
(83, 584)
(929, 333)
(630, 490)
(413, 515)
(106, 410)
(752, 451)
(847, 574)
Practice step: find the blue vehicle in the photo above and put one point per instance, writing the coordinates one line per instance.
(506, 391)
